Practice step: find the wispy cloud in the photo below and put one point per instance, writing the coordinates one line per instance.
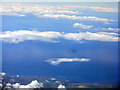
(83, 26)
(51, 36)
(61, 60)
(96, 8)
(99, 36)
(83, 18)
(51, 11)
(107, 29)
(35, 9)
(80, 25)
(13, 14)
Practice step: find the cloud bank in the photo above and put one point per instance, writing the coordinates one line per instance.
(83, 26)
(22, 35)
(95, 8)
(83, 18)
(34, 9)
(51, 36)
(108, 29)
(51, 11)
(61, 60)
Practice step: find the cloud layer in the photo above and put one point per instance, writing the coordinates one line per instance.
(95, 8)
(61, 60)
(108, 29)
(34, 9)
(22, 35)
(83, 26)
(83, 18)
(51, 36)
(51, 11)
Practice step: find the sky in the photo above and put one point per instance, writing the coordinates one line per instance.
(74, 41)
(60, 0)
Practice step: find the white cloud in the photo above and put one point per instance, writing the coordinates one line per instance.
(80, 25)
(61, 60)
(108, 29)
(99, 36)
(20, 36)
(22, 9)
(13, 14)
(51, 11)
(33, 84)
(35, 9)
(74, 17)
(51, 36)
(95, 8)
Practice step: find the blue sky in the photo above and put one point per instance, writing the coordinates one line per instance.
(73, 41)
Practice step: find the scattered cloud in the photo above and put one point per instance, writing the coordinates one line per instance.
(80, 25)
(108, 29)
(51, 36)
(23, 8)
(13, 14)
(99, 36)
(61, 60)
(35, 9)
(95, 8)
(83, 18)
(22, 35)
(33, 84)
(52, 11)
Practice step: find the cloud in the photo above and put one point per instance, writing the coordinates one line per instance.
(19, 9)
(22, 35)
(61, 60)
(96, 8)
(83, 18)
(51, 36)
(99, 36)
(33, 84)
(13, 14)
(51, 11)
(35, 9)
(108, 29)
(80, 25)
